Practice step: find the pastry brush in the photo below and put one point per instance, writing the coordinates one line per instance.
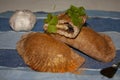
(110, 71)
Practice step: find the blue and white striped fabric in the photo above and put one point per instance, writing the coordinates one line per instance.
(12, 67)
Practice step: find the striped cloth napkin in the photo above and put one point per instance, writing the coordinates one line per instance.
(12, 67)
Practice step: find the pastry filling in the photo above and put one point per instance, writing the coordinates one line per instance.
(67, 24)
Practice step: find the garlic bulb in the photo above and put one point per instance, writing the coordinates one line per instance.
(22, 20)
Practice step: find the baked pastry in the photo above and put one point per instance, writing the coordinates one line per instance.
(71, 30)
(43, 53)
(68, 23)
(96, 45)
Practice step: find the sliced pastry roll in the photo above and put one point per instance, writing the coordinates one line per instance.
(67, 24)
(96, 45)
(70, 29)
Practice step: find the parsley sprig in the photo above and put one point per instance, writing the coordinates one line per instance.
(51, 20)
(74, 13)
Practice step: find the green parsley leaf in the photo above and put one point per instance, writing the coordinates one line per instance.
(49, 17)
(82, 11)
(74, 13)
(51, 29)
(52, 21)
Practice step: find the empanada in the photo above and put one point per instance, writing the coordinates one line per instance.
(45, 54)
(96, 45)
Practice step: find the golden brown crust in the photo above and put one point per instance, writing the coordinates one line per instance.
(43, 53)
(98, 46)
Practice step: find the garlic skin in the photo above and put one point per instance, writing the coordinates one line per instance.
(22, 20)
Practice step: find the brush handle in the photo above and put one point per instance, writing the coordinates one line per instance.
(118, 64)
